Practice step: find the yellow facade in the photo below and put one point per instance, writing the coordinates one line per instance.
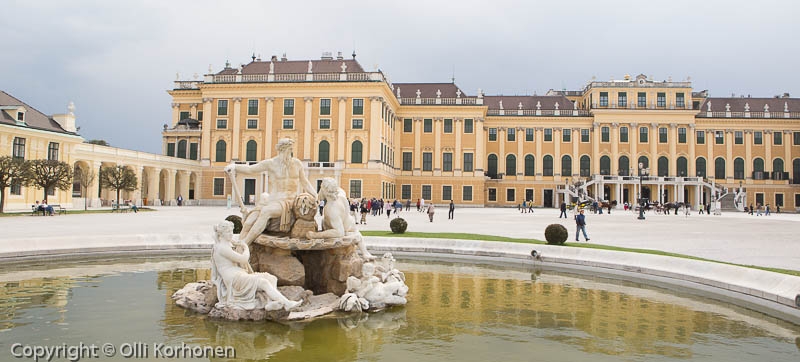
(418, 143)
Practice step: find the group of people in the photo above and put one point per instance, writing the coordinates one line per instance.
(44, 208)
(525, 207)
(767, 210)
(375, 207)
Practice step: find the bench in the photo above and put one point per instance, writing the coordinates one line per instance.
(57, 209)
(120, 208)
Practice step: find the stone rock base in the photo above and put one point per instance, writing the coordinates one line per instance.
(327, 270)
(278, 262)
(199, 297)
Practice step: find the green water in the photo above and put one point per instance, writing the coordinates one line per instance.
(455, 312)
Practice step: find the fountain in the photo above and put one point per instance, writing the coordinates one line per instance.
(282, 267)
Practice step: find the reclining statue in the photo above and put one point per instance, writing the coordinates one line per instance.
(237, 285)
(337, 222)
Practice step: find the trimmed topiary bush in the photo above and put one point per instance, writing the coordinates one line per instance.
(556, 234)
(398, 225)
(237, 223)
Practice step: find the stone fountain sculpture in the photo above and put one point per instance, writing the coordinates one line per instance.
(282, 267)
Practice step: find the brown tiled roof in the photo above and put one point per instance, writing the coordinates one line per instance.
(756, 104)
(528, 102)
(298, 66)
(428, 90)
(33, 118)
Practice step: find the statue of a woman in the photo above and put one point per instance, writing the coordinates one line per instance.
(237, 284)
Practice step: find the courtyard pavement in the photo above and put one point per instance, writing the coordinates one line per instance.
(772, 241)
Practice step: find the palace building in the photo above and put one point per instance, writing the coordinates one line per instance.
(439, 142)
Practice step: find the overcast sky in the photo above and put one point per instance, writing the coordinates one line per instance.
(116, 60)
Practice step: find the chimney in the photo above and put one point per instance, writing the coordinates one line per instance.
(67, 121)
(283, 59)
(786, 95)
(327, 56)
(339, 56)
(274, 58)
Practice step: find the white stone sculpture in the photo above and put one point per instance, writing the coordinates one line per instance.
(398, 92)
(344, 67)
(575, 105)
(501, 104)
(766, 108)
(71, 108)
(418, 93)
(538, 105)
(708, 105)
(786, 107)
(309, 66)
(458, 93)
(727, 107)
(287, 179)
(556, 105)
(336, 219)
(373, 291)
(438, 93)
(747, 107)
(237, 285)
(271, 67)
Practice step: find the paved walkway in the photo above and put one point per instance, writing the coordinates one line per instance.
(735, 237)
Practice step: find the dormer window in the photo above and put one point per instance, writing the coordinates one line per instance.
(20, 116)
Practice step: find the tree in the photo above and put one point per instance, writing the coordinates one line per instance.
(118, 178)
(99, 142)
(13, 171)
(51, 175)
(86, 177)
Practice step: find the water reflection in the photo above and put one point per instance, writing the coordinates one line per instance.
(455, 311)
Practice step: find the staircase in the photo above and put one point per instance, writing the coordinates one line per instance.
(727, 202)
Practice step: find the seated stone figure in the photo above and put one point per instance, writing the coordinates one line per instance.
(237, 286)
(336, 219)
(286, 180)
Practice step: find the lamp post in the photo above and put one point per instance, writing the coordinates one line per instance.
(642, 171)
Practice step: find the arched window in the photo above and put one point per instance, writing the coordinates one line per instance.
(624, 166)
(738, 168)
(511, 165)
(644, 161)
(492, 166)
(324, 151)
(182, 149)
(221, 151)
(547, 164)
(605, 165)
(566, 165)
(796, 171)
(663, 166)
(700, 165)
(585, 166)
(777, 165)
(719, 168)
(683, 167)
(758, 165)
(530, 163)
(252, 151)
(356, 152)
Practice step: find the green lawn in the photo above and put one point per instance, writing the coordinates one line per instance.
(481, 237)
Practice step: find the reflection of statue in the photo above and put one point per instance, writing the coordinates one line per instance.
(237, 285)
(336, 220)
(286, 180)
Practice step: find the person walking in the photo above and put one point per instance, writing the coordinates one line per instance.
(408, 204)
(767, 211)
(364, 211)
(452, 208)
(418, 205)
(422, 204)
(580, 222)
(431, 211)
(530, 206)
(563, 208)
(388, 209)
